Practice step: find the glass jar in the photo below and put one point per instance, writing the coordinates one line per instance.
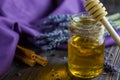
(85, 47)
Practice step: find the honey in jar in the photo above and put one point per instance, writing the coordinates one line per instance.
(85, 47)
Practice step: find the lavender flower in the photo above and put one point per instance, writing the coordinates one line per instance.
(51, 39)
(60, 23)
(54, 41)
(56, 20)
(58, 35)
(110, 68)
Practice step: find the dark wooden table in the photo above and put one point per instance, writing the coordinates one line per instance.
(57, 66)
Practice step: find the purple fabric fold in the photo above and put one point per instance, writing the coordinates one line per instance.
(8, 42)
(109, 41)
(19, 16)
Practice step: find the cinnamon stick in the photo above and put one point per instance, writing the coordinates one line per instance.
(26, 60)
(27, 52)
(31, 55)
(41, 60)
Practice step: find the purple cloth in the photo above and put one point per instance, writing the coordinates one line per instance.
(19, 16)
(109, 41)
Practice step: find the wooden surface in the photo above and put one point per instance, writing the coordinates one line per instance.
(57, 67)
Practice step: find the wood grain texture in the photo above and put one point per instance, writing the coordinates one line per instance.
(57, 67)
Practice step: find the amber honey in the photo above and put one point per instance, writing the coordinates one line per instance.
(85, 57)
(86, 54)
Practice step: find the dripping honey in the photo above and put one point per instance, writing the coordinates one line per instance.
(85, 55)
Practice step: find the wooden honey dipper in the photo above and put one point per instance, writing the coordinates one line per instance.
(98, 12)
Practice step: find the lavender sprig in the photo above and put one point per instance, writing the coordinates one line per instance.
(55, 41)
(52, 34)
(57, 20)
(52, 39)
(59, 35)
(61, 22)
(110, 68)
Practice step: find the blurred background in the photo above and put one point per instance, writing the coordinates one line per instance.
(112, 6)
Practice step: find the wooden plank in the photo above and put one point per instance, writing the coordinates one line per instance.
(40, 73)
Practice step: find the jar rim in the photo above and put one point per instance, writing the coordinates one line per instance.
(85, 25)
(77, 17)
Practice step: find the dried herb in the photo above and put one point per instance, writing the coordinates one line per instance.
(51, 39)
(59, 34)
(110, 67)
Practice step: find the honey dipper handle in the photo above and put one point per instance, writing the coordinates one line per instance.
(98, 12)
(110, 29)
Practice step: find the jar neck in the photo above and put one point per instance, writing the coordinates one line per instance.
(93, 32)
